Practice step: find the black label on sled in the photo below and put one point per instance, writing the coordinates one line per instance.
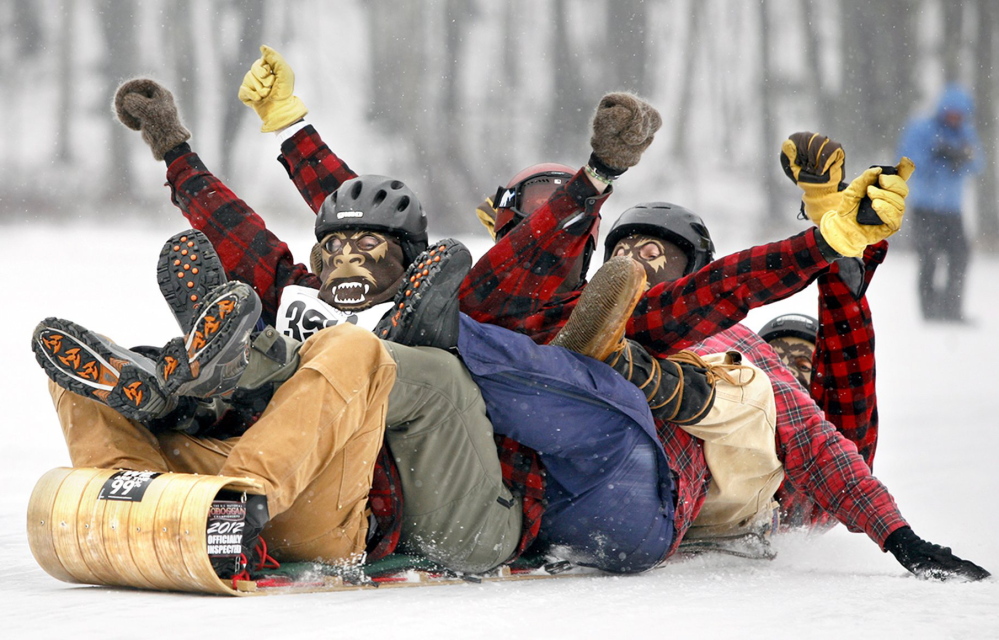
(126, 485)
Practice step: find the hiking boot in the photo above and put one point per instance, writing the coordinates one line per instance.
(679, 389)
(92, 366)
(187, 270)
(208, 361)
(235, 547)
(425, 310)
(597, 324)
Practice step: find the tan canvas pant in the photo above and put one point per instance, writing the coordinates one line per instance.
(314, 447)
(741, 452)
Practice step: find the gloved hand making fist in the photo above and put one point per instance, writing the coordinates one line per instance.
(815, 163)
(146, 106)
(840, 227)
(269, 87)
(623, 127)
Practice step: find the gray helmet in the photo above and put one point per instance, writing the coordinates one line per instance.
(672, 223)
(795, 325)
(380, 204)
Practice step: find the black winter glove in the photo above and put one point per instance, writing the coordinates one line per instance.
(930, 561)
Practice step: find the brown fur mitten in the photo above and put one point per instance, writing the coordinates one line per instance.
(146, 106)
(623, 127)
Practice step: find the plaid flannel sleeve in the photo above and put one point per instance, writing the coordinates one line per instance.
(843, 380)
(248, 250)
(674, 315)
(315, 170)
(513, 285)
(817, 459)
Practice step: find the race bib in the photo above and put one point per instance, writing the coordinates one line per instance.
(302, 314)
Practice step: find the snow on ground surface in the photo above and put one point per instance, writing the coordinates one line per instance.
(939, 439)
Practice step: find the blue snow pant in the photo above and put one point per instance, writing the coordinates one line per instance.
(609, 487)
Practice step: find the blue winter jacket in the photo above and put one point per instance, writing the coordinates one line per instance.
(944, 155)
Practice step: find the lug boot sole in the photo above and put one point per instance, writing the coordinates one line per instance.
(82, 362)
(597, 325)
(187, 271)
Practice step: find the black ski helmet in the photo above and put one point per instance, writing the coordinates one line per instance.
(795, 325)
(380, 204)
(672, 223)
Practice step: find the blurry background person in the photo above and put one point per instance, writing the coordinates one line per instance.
(946, 150)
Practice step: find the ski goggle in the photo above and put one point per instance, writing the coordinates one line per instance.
(515, 203)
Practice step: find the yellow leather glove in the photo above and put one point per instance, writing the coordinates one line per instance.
(268, 88)
(815, 163)
(486, 214)
(840, 227)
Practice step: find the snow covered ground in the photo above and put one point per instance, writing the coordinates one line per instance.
(940, 435)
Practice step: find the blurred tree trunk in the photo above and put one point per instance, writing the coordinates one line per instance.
(64, 109)
(28, 34)
(398, 57)
(180, 51)
(570, 116)
(953, 27)
(682, 120)
(819, 92)
(878, 85)
(627, 28)
(446, 143)
(774, 215)
(119, 27)
(251, 31)
(984, 80)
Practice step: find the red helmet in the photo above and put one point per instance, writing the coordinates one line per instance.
(526, 192)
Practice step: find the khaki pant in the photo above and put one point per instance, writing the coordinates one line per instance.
(313, 449)
(315, 446)
(741, 452)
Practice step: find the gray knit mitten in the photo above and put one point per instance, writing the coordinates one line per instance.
(623, 127)
(146, 106)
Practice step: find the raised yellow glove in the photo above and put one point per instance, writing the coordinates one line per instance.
(815, 163)
(840, 227)
(486, 213)
(268, 88)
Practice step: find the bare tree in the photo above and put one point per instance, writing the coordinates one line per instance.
(953, 27)
(685, 108)
(819, 92)
(64, 110)
(878, 74)
(119, 34)
(251, 13)
(570, 108)
(774, 216)
(179, 47)
(628, 50)
(985, 55)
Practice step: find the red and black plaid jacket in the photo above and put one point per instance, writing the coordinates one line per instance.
(843, 377)
(502, 289)
(251, 253)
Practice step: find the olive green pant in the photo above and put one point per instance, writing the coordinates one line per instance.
(457, 510)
